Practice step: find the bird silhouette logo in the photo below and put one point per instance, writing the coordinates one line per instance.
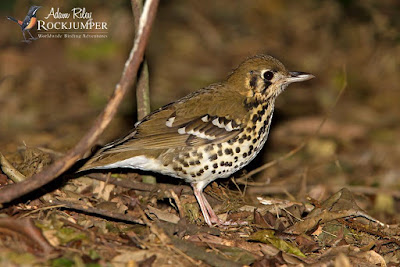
(28, 23)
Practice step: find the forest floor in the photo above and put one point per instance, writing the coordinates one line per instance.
(335, 201)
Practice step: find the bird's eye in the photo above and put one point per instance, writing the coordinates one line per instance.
(268, 75)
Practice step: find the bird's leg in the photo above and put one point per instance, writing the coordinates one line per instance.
(209, 215)
(32, 38)
(25, 40)
(202, 203)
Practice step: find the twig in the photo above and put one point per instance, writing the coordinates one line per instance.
(305, 142)
(27, 230)
(143, 92)
(142, 86)
(14, 191)
(9, 170)
(106, 213)
(178, 204)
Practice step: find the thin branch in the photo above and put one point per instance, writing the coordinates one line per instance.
(143, 92)
(38, 180)
(95, 211)
(142, 86)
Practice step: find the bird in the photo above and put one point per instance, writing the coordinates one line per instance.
(209, 134)
(28, 23)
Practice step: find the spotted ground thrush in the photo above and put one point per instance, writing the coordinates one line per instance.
(209, 134)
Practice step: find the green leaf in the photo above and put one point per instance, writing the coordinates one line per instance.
(62, 262)
(268, 237)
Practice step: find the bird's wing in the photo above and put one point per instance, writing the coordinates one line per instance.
(187, 122)
(191, 121)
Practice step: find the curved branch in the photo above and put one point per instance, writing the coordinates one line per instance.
(38, 180)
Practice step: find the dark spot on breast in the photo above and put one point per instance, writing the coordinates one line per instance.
(236, 159)
(213, 157)
(200, 155)
(261, 112)
(237, 149)
(219, 152)
(262, 129)
(241, 140)
(213, 171)
(206, 167)
(209, 148)
(193, 175)
(228, 151)
(222, 163)
(197, 162)
(248, 138)
(185, 164)
(255, 118)
(251, 149)
(191, 162)
(215, 165)
(267, 120)
(254, 140)
(244, 154)
(219, 145)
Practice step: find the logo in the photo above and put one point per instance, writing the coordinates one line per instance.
(28, 23)
(77, 23)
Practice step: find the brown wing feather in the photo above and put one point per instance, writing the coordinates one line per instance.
(189, 126)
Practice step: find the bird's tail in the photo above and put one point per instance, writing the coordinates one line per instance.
(12, 19)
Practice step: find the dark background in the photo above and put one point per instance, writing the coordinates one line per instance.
(52, 90)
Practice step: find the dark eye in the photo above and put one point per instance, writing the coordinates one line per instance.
(268, 75)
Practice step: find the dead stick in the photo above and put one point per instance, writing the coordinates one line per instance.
(142, 85)
(38, 180)
(95, 211)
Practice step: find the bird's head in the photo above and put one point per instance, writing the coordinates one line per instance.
(263, 76)
(32, 10)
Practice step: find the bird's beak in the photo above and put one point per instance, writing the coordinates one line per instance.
(297, 76)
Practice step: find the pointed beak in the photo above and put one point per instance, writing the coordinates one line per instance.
(297, 76)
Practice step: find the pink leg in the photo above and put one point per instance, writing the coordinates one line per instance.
(209, 215)
(200, 199)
